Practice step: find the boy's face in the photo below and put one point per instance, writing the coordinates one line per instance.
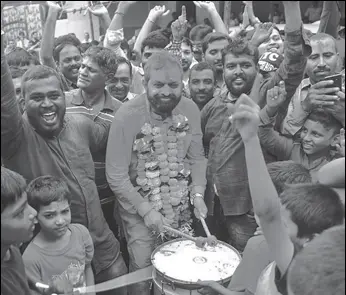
(54, 219)
(316, 138)
(18, 222)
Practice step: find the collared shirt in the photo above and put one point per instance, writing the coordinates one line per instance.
(67, 156)
(75, 104)
(296, 116)
(113, 40)
(286, 148)
(121, 160)
(130, 96)
(226, 169)
(66, 83)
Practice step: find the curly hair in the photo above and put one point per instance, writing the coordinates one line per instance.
(239, 46)
(104, 57)
(62, 41)
(155, 40)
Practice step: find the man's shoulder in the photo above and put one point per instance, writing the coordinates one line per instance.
(70, 95)
(133, 107)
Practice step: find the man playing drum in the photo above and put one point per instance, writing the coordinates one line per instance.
(155, 162)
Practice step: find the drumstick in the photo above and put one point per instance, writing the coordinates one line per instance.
(206, 229)
(179, 233)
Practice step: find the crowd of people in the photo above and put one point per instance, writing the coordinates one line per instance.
(104, 143)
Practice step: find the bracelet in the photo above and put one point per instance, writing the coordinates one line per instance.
(120, 13)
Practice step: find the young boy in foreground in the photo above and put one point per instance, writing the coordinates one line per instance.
(60, 251)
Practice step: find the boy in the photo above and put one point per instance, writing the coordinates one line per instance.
(320, 268)
(305, 210)
(18, 220)
(60, 250)
(319, 133)
(256, 256)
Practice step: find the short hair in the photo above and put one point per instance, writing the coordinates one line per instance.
(84, 47)
(104, 57)
(319, 269)
(124, 45)
(326, 119)
(37, 73)
(12, 187)
(94, 43)
(323, 36)
(21, 33)
(160, 60)
(212, 37)
(155, 40)
(17, 72)
(198, 32)
(201, 66)
(46, 189)
(123, 60)
(313, 207)
(19, 57)
(35, 58)
(284, 173)
(62, 41)
(240, 46)
(187, 41)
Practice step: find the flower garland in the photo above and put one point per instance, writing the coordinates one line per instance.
(163, 171)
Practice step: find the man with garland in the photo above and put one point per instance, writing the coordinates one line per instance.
(155, 162)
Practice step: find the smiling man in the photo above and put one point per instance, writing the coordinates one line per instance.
(49, 142)
(313, 92)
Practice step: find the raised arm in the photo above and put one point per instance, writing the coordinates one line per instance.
(101, 12)
(330, 18)
(47, 43)
(271, 140)
(216, 19)
(296, 50)
(11, 117)
(265, 199)
(154, 15)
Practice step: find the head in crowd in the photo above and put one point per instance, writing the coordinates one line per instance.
(86, 36)
(196, 36)
(17, 217)
(284, 173)
(202, 83)
(273, 44)
(51, 198)
(98, 65)
(119, 84)
(67, 55)
(212, 47)
(163, 82)
(44, 97)
(21, 35)
(124, 45)
(240, 66)
(94, 43)
(155, 42)
(84, 47)
(319, 133)
(20, 58)
(175, 15)
(186, 54)
(319, 268)
(309, 209)
(11, 45)
(17, 74)
(324, 58)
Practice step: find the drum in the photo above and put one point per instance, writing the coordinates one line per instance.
(179, 264)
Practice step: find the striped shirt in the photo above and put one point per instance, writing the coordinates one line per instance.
(75, 105)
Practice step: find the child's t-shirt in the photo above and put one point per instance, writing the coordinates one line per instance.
(13, 278)
(45, 265)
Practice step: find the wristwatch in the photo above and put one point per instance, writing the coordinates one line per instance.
(196, 195)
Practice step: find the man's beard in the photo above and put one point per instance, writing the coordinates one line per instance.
(163, 104)
(244, 88)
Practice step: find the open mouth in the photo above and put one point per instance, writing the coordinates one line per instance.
(75, 71)
(49, 118)
(238, 81)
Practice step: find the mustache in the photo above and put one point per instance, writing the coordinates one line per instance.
(239, 76)
(320, 69)
(74, 67)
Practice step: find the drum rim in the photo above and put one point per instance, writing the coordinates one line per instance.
(191, 285)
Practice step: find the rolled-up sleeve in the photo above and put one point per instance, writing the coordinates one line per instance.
(118, 159)
(272, 141)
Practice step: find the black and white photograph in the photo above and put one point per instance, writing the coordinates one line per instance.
(173, 147)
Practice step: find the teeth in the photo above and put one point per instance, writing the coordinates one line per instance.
(49, 114)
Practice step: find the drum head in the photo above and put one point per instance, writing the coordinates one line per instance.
(182, 262)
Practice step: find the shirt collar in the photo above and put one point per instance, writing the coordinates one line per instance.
(77, 99)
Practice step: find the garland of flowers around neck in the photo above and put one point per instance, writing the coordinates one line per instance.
(163, 171)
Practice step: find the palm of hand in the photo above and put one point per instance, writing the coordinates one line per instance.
(262, 33)
(204, 4)
(158, 11)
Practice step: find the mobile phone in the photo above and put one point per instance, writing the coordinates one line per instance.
(337, 79)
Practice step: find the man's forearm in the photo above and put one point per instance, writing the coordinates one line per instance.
(292, 16)
(330, 18)
(105, 22)
(47, 45)
(144, 32)
(217, 21)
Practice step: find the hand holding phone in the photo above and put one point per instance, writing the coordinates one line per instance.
(337, 81)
